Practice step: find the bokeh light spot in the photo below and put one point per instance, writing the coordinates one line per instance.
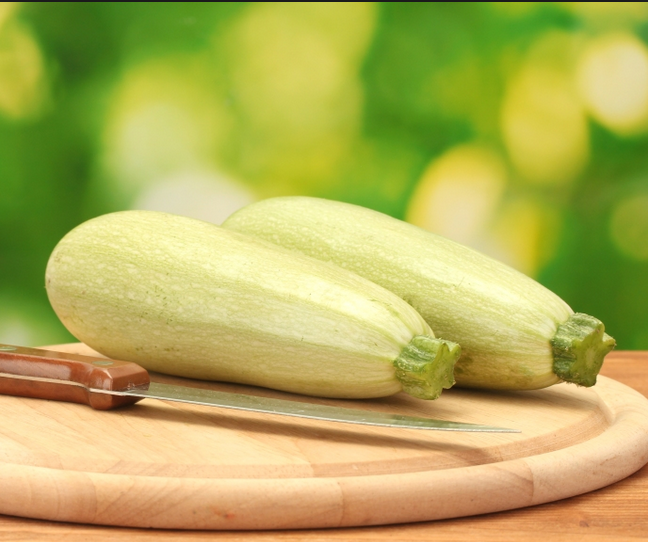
(6, 9)
(293, 73)
(629, 226)
(23, 81)
(543, 122)
(26, 322)
(523, 234)
(166, 116)
(613, 81)
(607, 14)
(16, 331)
(293, 61)
(458, 193)
(201, 195)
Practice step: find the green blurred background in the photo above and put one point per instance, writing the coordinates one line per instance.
(520, 129)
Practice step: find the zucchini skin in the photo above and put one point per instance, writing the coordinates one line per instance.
(504, 320)
(188, 298)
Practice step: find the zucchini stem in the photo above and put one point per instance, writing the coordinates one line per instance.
(579, 346)
(426, 366)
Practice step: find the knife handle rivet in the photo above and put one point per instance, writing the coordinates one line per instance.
(102, 363)
(7, 348)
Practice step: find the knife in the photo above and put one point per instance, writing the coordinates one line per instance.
(105, 384)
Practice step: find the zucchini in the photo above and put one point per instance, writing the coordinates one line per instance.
(514, 333)
(188, 298)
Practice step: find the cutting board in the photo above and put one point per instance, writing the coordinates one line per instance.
(168, 465)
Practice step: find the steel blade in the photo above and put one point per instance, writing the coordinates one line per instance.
(253, 403)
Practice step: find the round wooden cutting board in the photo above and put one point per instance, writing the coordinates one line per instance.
(171, 465)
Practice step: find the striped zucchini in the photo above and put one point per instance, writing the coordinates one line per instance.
(188, 298)
(514, 333)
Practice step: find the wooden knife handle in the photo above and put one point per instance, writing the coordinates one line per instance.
(46, 374)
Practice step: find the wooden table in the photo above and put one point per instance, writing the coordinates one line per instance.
(617, 512)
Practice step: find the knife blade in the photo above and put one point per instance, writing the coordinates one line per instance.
(106, 384)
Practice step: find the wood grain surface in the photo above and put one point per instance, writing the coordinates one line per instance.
(298, 451)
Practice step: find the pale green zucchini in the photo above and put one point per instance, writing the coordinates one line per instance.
(188, 298)
(514, 333)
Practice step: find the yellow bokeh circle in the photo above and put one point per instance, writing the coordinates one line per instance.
(613, 82)
(629, 226)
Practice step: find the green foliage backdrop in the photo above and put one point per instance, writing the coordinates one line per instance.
(518, 128)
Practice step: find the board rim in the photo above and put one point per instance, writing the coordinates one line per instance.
(288, 503)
